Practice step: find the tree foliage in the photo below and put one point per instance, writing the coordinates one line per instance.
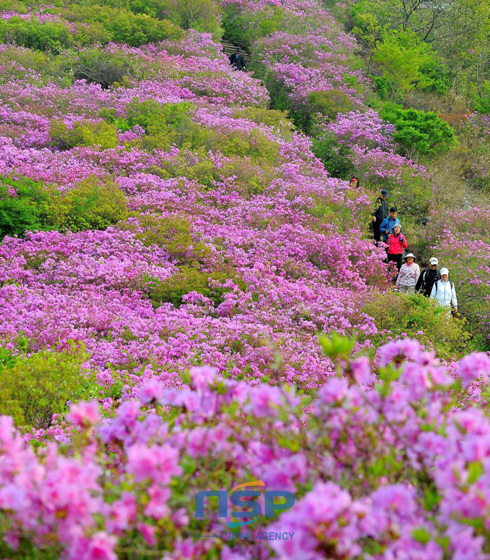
(419, 132)
(402, 56)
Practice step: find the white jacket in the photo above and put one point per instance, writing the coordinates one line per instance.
(444, 293)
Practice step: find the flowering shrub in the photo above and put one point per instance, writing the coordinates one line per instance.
(467, 262)
(165, 221)
(382, 460)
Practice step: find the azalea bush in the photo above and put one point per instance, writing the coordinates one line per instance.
(394, 451)
(160, 217)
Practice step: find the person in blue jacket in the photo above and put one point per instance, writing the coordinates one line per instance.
(387, 224)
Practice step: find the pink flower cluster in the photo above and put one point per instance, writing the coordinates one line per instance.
(375, 462)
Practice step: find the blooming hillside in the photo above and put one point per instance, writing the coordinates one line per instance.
(175, 236)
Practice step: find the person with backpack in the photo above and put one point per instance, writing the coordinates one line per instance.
(396, 243)
(380, 214)
(443, 291)
(237, 61)
(428, 278)
(386, 226)
(408, 276)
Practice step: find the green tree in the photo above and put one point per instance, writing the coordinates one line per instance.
(419, 132)
(402, 57)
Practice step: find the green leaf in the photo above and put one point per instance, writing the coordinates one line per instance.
(422, 535)
(475, 470)
(337, 346)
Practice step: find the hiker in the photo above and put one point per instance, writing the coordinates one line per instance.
(354, 183)
(386, 226)
(443, 291)
(396, 243)
(408, 276)
(428, 278)
(237, 60)
(380, 214)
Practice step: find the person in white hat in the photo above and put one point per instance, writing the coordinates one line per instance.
(428, 278)
(443, 291)
(408, 276)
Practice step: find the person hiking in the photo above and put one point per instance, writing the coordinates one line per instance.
(354, 183)
(443, 291)
(396, 243)
(386, 226)
(408, 276)
(428, 277)
(237, 60)
(380, 213)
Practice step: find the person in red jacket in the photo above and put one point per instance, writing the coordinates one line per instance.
(396, 243)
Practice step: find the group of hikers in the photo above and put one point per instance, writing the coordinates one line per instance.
(431, 282)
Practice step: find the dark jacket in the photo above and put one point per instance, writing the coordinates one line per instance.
(381, 211)
(237, 61)
(426, 280)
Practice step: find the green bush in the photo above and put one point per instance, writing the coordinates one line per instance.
(202, 15)
(164, 124)
(173, 233)
(278, 120)
(480, 97)
(336, 158)
(382, 86)
(27, 209)
(92, 204)
(155, 117)
(34, 388)
(83, 133)
(189, 279)
(124, 26)
(419, 131)
(40, 62)
(244, 27)
(255, 145)
(421, 318)
(440, 78)
(32, 34)
(100, 67)
(329, 103)
(93, 34)
(194, 165)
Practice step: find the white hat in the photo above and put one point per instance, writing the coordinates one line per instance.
(410, 255)
(433, 260)
(444, 271)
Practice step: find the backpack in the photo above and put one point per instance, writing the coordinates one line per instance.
(424, 277)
